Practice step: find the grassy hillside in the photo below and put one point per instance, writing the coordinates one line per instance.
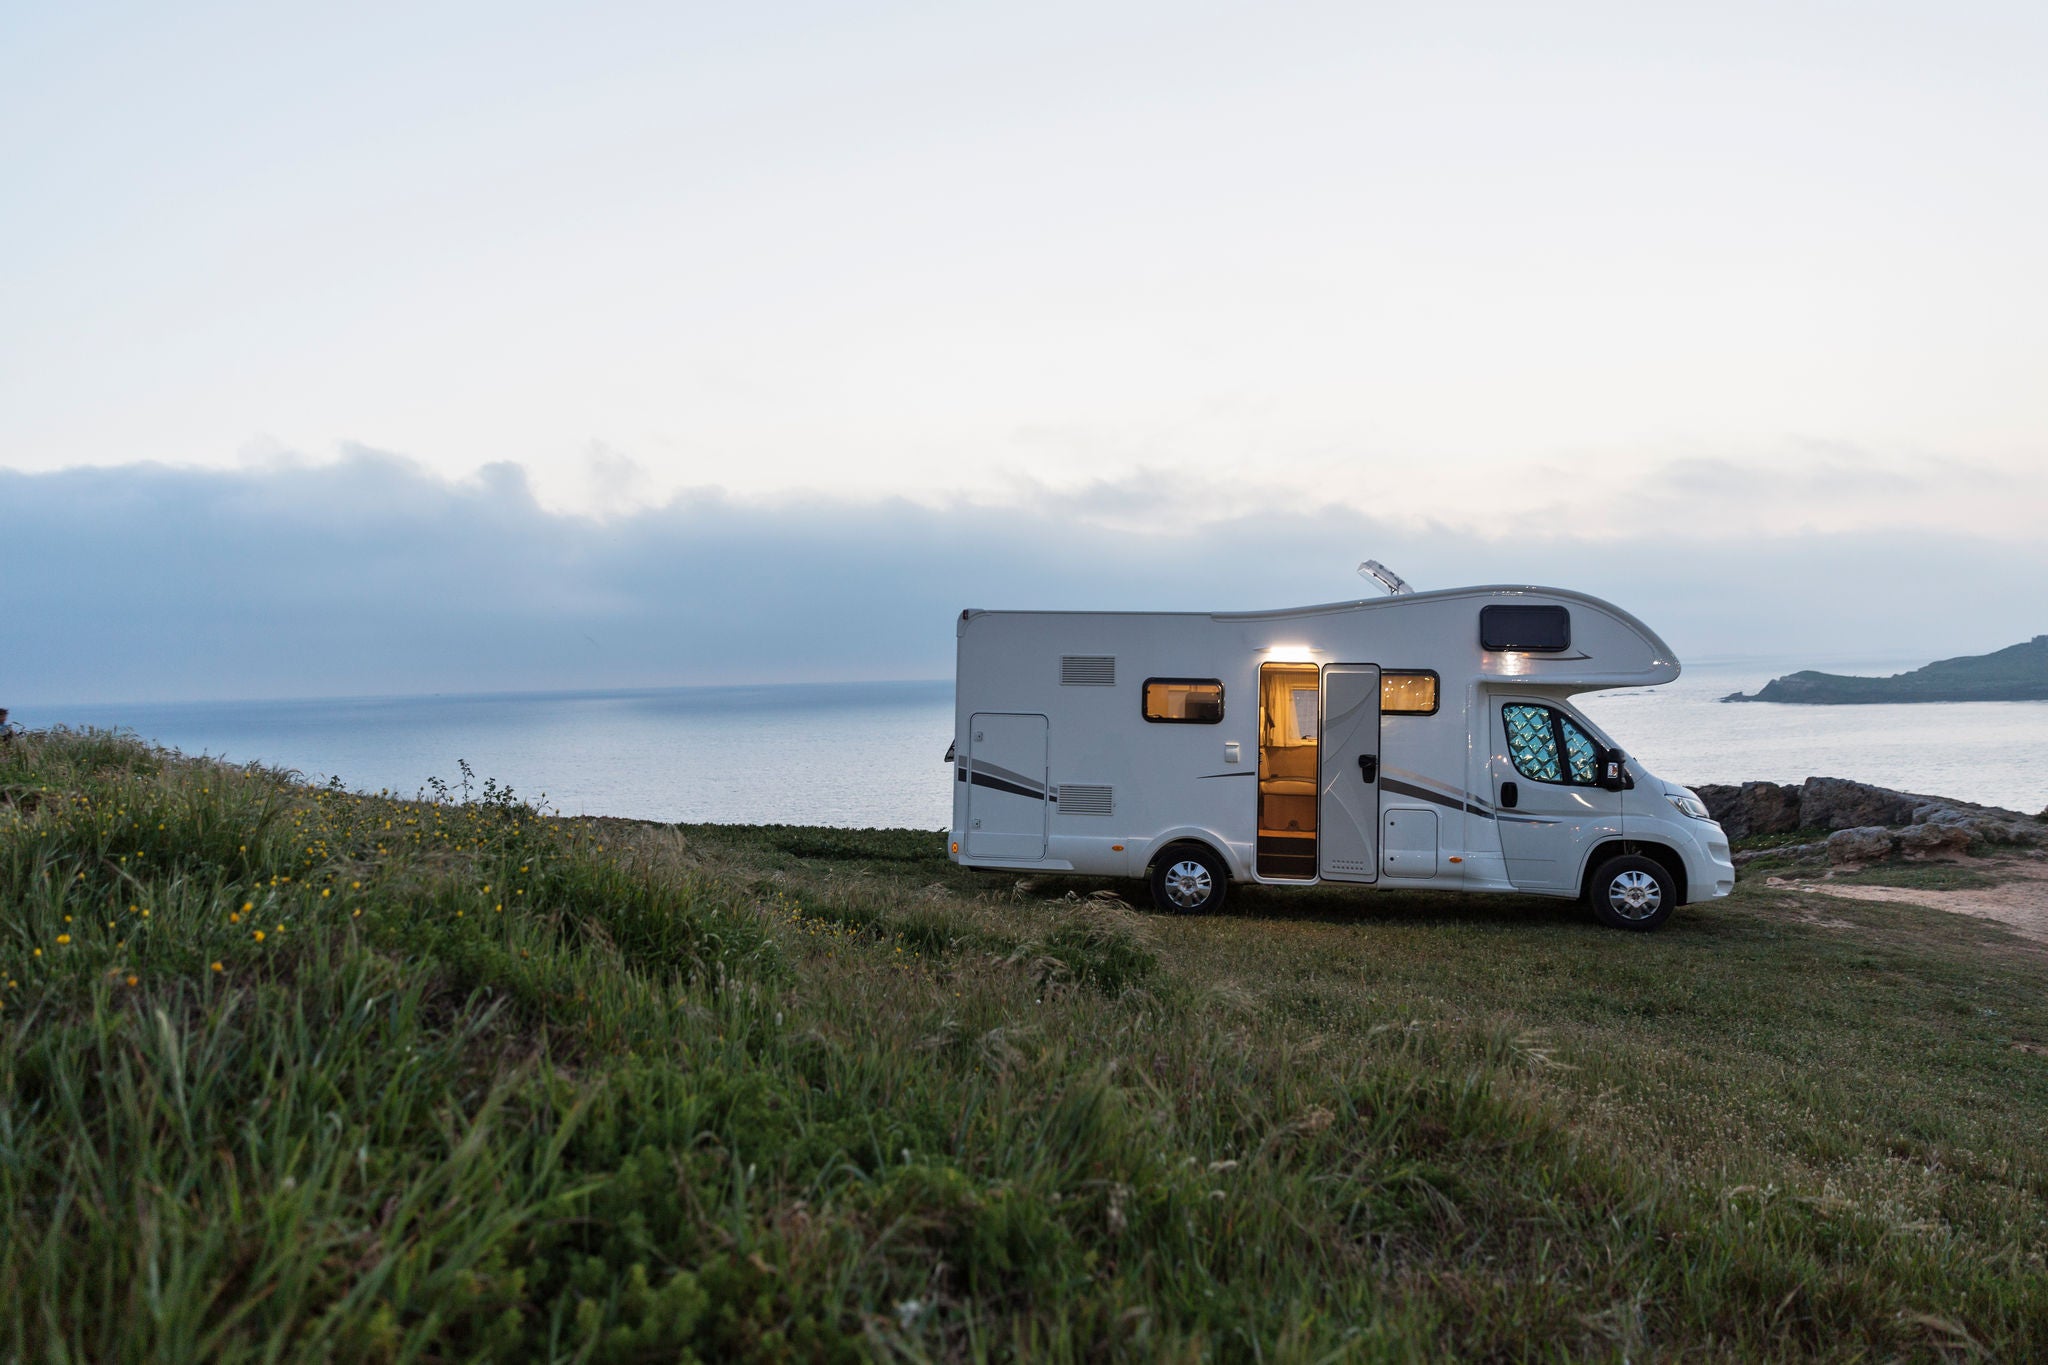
(289, 1071)
(2015, 673)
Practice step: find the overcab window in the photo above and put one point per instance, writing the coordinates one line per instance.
(1530, 629)
(1184, 701)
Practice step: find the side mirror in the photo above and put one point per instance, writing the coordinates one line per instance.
(1613, 765)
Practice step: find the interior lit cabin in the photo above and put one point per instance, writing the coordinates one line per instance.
(1289, 702)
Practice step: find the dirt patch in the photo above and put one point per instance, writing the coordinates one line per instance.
(2019, 901)
(1806, 914)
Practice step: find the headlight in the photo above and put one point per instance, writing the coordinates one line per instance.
(1688, 804)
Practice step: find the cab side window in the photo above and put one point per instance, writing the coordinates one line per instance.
(1546, 745)
(1579, 751)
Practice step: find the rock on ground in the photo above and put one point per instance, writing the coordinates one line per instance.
(1865, 844)
(1933, 841)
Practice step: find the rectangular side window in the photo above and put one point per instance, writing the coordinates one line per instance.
(1184, 701)
(1408, 694)
(1531, 629)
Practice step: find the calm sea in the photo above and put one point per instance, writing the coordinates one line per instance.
(873, 753)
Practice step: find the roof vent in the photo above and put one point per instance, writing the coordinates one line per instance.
(1395, 585)
(1084, 800)
(1087, 670)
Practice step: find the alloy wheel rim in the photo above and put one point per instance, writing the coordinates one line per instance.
(1187, 884)
(1635, 895)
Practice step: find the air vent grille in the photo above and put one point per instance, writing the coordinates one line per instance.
(1087, 670)
(1345, 865)
(1085, 800)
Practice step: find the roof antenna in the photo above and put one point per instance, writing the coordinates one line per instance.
(1379, 573)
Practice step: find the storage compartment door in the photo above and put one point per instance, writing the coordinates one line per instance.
(1005, 771)
(1349, 805)
(1410, 843)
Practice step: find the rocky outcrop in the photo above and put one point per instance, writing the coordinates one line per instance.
(1868, 822)
(1753, 808)
(1837, 803)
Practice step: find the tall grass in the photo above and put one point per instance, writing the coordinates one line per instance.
(289, 1072)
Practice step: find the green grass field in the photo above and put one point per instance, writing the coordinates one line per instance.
(291, 1072)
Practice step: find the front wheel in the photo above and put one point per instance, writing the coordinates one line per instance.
(1632, 892)
(1188, 879)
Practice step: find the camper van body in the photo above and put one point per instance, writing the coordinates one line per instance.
(1425, 740)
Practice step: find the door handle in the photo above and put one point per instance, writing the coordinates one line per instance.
(1369, 767)
(1510, 794)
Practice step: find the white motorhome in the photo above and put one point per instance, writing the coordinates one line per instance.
(1423, 740)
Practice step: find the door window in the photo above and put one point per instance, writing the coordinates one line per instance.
(1532, 742)
(1546, 745)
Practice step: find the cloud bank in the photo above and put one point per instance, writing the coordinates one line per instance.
(371, 575)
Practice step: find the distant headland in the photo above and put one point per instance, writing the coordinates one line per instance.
(2019, 673)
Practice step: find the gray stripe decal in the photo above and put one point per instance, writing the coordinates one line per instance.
(1036, 787)
(998, 784)
(1394, 784)
(1474, 802)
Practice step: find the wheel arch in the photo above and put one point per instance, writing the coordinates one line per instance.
(1207, 839)
(1663, 855)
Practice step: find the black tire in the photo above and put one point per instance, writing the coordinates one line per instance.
(1189, 879)
(1632, 892)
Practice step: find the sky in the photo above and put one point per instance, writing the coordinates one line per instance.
(390, 348)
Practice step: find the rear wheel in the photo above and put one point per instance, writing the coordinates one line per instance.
(1632, 892)
(1188, 879)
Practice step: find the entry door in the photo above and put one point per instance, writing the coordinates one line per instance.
(1005, 769)
(1348, 815)
(1546, 761)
